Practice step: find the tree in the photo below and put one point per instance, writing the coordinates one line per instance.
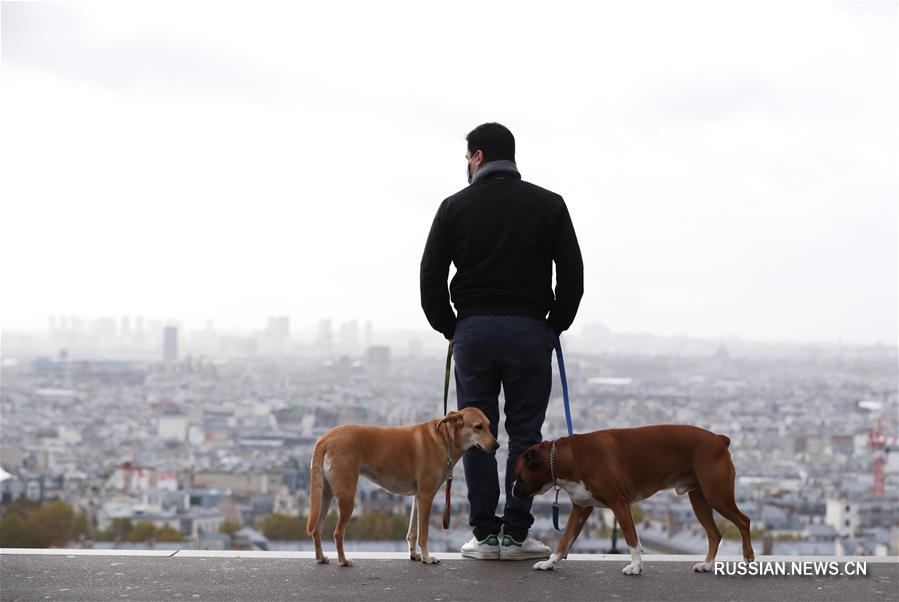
(51, 524)
(370, 525)
(118, 530)
(81, 525)
(143, 531)
(13, 533)
(31, 525)
(377, 525)
(23, 507)
(278, 526)
(229, 527)
(169, 534)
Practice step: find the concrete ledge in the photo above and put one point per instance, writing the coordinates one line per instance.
(82, 552)
(403, 556)
(62, 574)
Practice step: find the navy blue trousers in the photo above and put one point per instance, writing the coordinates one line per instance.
(515, 352)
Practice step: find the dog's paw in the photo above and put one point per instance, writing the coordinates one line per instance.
(414, 556)
(430, 560)
(633, 569)
(544, 565)
(346, 562)
(323, 560)
(702, 567)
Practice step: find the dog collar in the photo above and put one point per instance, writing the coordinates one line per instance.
(552, 473)
(449, 447)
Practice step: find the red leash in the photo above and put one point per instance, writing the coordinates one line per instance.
(446, 507)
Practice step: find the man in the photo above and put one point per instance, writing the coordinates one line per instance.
(503, 235)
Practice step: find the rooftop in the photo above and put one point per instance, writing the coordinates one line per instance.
(68, 574)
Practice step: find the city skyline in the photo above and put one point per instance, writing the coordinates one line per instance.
(288, 327)
(172, 443)
(146, 338)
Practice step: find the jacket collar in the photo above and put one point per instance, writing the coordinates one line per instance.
(499, 168)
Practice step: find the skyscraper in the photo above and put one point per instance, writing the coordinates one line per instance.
(125, 328)
(324, 340)
(379, 359)
(170, 344)
(349, 337)
(279, 327)
(367, 340)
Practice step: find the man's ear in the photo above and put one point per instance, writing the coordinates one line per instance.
(531, 458)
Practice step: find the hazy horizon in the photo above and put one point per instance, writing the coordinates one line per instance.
(304, 329)
(730, 169)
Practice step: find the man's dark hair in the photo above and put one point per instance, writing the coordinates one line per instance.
(492, 139)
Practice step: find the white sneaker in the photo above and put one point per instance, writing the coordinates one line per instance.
(528, 549)
(486, 549)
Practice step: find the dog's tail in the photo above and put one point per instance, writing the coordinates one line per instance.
(726, 440)
(317, 483)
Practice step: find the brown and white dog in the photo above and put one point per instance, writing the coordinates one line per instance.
(616, 467)
(405, 460)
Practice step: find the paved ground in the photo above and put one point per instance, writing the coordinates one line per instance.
(195, 577)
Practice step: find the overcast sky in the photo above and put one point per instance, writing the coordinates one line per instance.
(731, 169)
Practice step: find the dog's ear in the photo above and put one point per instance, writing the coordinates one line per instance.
(454, 417)
(531, 458)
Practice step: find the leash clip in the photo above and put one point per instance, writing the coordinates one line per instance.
(556, 511)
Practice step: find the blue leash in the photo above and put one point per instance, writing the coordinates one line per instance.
(558, 345)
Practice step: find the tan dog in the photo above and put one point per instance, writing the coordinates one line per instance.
(405, 460)
(616, 467)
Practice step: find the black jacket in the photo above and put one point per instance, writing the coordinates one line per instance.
(503, 235)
